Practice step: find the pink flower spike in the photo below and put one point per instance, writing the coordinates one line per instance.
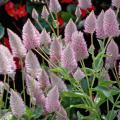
(78, 12)
(32, 65)
(110, 24)
(55, 80)
(79, 46)
(116, 3)
(31, 36)
(99, 26)
(18, 49)
(44, 80)
(7, 65)
(45, 38)
(90, 23)
(84, 4)
(61, 114)
(17, 105)
(118, 115)
(55, 51)
(45, 13)
(35, 14)
(69, 29)
(52, 103)
(68, 60)
(112, 52)
(78, 75)
(54, 6)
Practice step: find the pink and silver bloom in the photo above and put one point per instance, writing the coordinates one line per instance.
(32, 65)
(35, 14)
(78, 12)
(84, 4)
(79, 74)
(116, 3)
(52, 102)
(44, 13)
(54, 6)
(45, 38)
(110, 24)
(68, 60)
(7, 65)
(112, 53)
(69, 30)
(18, 49)
(99, 26)
(55, 51)
(90, 23)
(30, 35)
(16, 104)
(79, 46)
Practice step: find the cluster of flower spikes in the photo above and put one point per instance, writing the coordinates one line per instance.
(73, 50)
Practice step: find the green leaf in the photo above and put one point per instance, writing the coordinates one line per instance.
(28, 112)
(89, 71)
(101, 43)
(2, 31)
(71, 8)
(37, 113)
(79, 115)
(111, 115)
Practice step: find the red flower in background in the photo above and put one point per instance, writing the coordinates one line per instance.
(67, 1)
(16, 11)
(17, 60)
(60, 20)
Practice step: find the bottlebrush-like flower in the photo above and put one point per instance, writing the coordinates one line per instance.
(78, 75)
(52, 103)
(104, 75)
(45, 38)
(31, 36)
(69, 29)
(118, 115)
(79, 46)
(44, 13)
(84, 4)
(17, 105)
(32, 65)
(33, 89)
(44, 80)
(54, 6)
(78, 12)
(116, 3)
(112, 52)
(18, 49)
(99, 26)
(68, 60)
(55, 51)
(7, 65)
(90, 23)
(61, 114)
(35, 14)
(56, 81)
(110, 24)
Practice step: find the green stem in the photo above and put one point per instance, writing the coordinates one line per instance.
(23, 81)
(39, 24)
(57, 24)
(117, 12)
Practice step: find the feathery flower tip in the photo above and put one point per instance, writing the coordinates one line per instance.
(52, 103)
(32, 64)
(18, 49)
(17, 105)
(90, 23)
(54, 6)
(78, 75)
(84, 4)
(68, 60)
(44, 13)
(79, 46)
(110, 24)
(55, 51)
(69, 29)
(34, 14)
(116, 3)
(44, 80)
(45, 38)
(112, 52)
(99, 26)
(31, 36)
(78, 12)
